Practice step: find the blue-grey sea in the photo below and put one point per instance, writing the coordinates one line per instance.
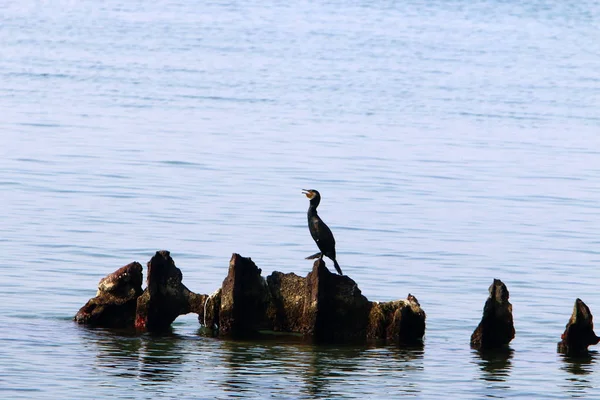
(453, 142)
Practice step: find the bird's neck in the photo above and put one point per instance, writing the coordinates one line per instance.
(312, 210)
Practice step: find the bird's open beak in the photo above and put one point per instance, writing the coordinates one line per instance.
(307, 193)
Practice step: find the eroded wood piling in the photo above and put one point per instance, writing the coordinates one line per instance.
(322, 306)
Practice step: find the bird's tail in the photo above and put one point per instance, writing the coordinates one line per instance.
(337, 267)
(316, 255)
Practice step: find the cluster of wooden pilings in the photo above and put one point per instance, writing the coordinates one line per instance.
(323, 307)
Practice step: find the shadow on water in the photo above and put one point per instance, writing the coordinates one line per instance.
(578, 367)
(495, 365)
(149, 357)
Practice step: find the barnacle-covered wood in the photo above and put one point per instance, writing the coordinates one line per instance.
(400, 321)
(322, 306)
(116, 299)
(325, 307)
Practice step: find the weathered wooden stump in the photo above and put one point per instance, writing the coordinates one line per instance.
(115, 302)
(287, 301)
(322, 306)
(334, 308)
(579, 332)
(244, 299)
(401, 321)
(325, 307)
(496, 328)
(165, 297)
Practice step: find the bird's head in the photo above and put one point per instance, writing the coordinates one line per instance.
(313, 195)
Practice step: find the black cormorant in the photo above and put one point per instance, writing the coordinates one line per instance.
(319, 231)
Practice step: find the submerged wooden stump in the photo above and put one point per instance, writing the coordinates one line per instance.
(244, 299)
(496, 328)
(325, 307)
(322, 306)
(116, 300)
(334, 308)
(287, 301)
(400, 321)
(579, 332)
(165, 297)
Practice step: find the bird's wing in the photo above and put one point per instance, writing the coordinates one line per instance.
(325, 233)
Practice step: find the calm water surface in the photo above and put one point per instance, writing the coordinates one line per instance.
(453, 142)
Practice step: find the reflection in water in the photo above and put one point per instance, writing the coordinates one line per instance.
(495, 365)
(401, 364)
(578, 367)
(340, 371)
(116, 353)
(161, 357)
(154, 358)
(317, 371)
(325, 364)
(256, 369)
(242, 360)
